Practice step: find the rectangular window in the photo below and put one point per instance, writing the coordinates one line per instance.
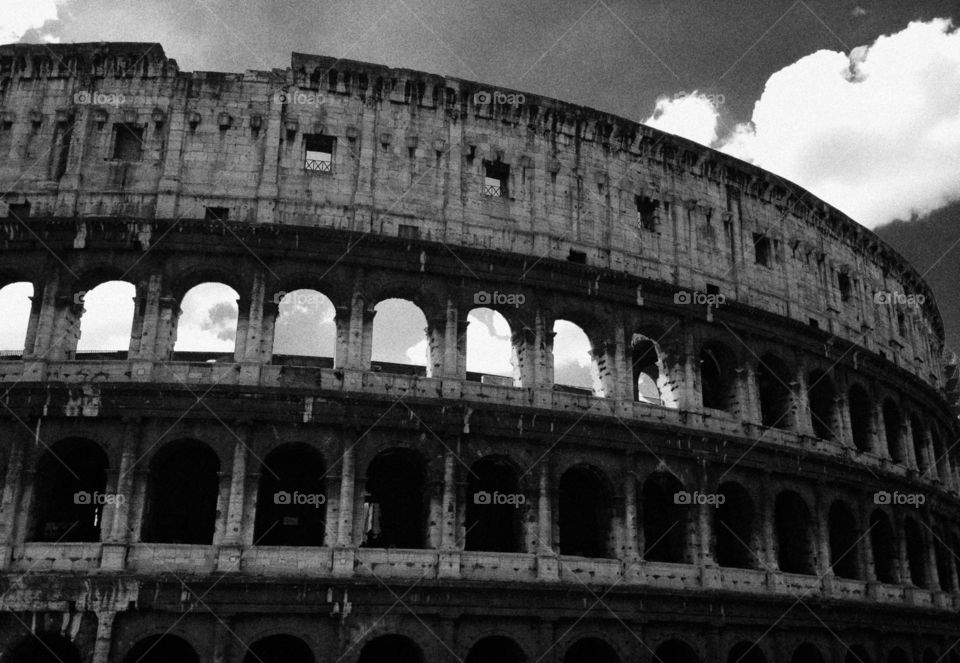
(846, 288)
(319, 153)
(578, 257)
(761, 249)
(646, 212)
(215, 213)
(496, 176)
(19, 210)
(408, 232)
(127, 142)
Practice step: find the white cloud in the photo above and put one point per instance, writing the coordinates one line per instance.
(18, 16)
(489, 348)
(572, 363)
(107, 318)
(208, 321)
(875, 133)
(15, 304)
(693, 116)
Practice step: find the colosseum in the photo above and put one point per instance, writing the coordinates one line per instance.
(762, 471)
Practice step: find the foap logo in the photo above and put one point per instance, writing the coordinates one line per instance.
(78, 296)
(95, 98)
(96, 497)
(297, 298)
(299, 98)
(887, 298)
(296, 498)
(496, 498)
(699, 298)
(715, 99)
(497, 97)
(484, 298)
(697, 498)
(896, 498)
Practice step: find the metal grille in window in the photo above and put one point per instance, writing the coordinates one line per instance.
(318, 165)
(319, 153)
(492, 190)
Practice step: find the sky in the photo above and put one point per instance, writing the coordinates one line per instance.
(857, 101)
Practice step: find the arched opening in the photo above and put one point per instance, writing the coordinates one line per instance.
(305, 331)
(884, 548)
(939, 457)
(496, 649)
(807, 653)
(746, 652)
(16, 304)
(591, 650)
(291, 500)
(391, 649)
(794, 533)
(857, 654)
(490, 354)
(944, 561)
(648, 380)
(773, 387)
(279, 649)
(586, 511)
(823, 405)
(930, 656)
(183, 489)
(45, 648)
(843, 542)
(395, 504)
(718, 375)
(664, 514)
(734, 528)
(891, 427)
(495, 507)
(675, 651)
(919, 443)
(860, 408)
(916, 552)
(207, 324)
(573, 366)
(897, 655)
(70, 492)
(162, 649)
(399, 342)
(107, 319)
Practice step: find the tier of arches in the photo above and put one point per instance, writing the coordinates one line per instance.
(566, 349)
(392, 495)
(50, 647)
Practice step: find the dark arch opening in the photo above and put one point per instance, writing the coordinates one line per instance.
(930, 656)
(939, 457)
(944, 561)
(857, 654)
(585, 513)
(919, 443)
(884, 548)
(279, 649)
(675, 651)
(45, 648)
(860, 415)
(664, 519)
(843, 542)
(794, 534)
(718, 377)
(734, 528)
(807, 653)
(162, 649)
(891, 427)
(897, 655)
(291, 500)
(916, 552)
(391, 649)
(395, 505)
(591, 650)
(496, 649)
(776, 398)
(183, 489)
(495, 507)
(746, 652)
(70, 492)
(823, 404)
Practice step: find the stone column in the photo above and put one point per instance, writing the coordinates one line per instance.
(906, 575)
(101, 646)
(12, 488)
(332, 514)
(45, 310)
(36, 307)
(547, 565)
(449, 559)
(768, 526)
(909, 453)
(630, 553)
(749, 380)
(454, 343)
(115, 529)
(933, 571)
(882, 445)
(823, 567)
(804, 420)
(343, 554)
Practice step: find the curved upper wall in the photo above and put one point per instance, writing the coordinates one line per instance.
(409, 156)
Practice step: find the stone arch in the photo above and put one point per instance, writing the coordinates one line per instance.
(675, 651)
(162, 649)
(585, 516)
(807, 653)
(591, 650)
(794, 533)
(291, 497)
(496, 506)
(496, 649)
(70, 492)
(746, 652)
(182, 494)
(775, 392)
(279, 648)
(395, 504)
(735, 527)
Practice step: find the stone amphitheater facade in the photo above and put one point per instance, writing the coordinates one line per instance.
(789, 496)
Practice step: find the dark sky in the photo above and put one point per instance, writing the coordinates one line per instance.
(613, 55)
